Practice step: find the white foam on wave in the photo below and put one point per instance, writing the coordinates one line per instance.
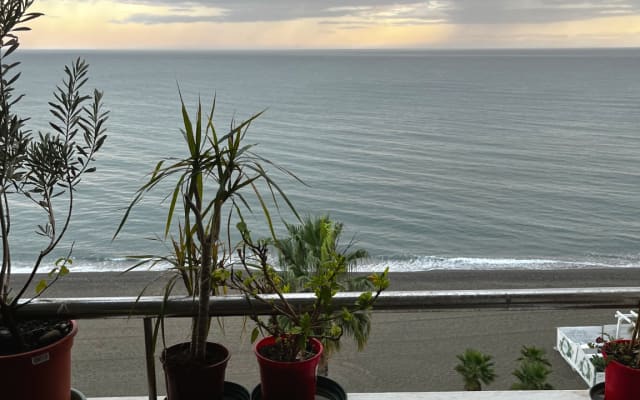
(115, 265)
(399, 264)
(429, 263)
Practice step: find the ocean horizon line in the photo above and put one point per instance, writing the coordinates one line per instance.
(330, 49)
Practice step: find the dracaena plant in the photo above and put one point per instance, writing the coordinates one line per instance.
(43, 168)
(254, 276)
(214, 182)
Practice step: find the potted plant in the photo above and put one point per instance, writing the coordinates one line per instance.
(43, 170)
(622, 367)
(208, 187)
(302, 252)
(289, 355)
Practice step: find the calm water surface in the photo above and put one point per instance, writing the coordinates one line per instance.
(477, 159)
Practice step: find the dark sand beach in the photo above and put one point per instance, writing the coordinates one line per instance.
(407, 351)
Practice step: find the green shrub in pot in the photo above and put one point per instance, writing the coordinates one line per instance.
(288, 355)
(302, 252)
(622, 366)
(42, 169)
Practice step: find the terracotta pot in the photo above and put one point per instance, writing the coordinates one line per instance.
(191, 381)
(44, 373)
(288, 380)
(621, 382)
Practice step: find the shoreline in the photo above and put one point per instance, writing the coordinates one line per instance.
(99, 284)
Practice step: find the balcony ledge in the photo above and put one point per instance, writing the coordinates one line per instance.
(502, 395)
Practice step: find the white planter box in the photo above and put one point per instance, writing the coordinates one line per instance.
(572, 344)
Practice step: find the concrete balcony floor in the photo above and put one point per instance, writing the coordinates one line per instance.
(488, 395)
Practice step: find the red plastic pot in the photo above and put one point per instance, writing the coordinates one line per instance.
(288, 380)
(44, 373)
(621, 382)
(192, 381)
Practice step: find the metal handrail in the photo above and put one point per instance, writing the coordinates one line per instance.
(234, 305)
(149, 307)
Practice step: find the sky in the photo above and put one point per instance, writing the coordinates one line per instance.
(335, 24)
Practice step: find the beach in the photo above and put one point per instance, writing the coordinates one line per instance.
(407, 351)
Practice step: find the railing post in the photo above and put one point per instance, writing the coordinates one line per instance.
(150, 356)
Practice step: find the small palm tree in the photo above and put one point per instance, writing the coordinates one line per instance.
(533, 354)
(532, 376)
(476, 368)
(309, 246)
(533, 371)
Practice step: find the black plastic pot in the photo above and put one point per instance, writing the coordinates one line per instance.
(597, 391)
(233, 391)
(77, 395)
(326, 389)
(188, 381)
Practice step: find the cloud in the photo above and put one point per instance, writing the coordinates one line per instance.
(255, 10)
(368, 12)
(535, 11)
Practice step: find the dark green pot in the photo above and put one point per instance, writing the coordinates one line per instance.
(77, 395)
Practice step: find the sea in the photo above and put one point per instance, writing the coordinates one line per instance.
(445, 160)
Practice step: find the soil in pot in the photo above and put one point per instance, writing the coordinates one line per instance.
(43, 372)
(190, 380)
(280, 380)
(36, 334)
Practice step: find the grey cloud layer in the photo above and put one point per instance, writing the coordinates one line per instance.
(453, 11)
(523, 11)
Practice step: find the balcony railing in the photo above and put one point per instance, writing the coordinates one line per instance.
(508, 299)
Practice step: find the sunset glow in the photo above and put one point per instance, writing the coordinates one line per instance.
(136, 24)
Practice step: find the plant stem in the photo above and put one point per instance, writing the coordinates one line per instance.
(5, 273)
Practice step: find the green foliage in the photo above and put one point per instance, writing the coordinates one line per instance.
(302, 253)
(626, 352)
(534, 355)
(292, 327)
(45, 166)
(208, 187)
(309, 245)
(598, 362)
(475, 368)
(61, 269)
(533, 371)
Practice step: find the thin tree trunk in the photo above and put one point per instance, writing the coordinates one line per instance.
(5, 272)
(202, 322)
(209, 243)
(323, 365)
